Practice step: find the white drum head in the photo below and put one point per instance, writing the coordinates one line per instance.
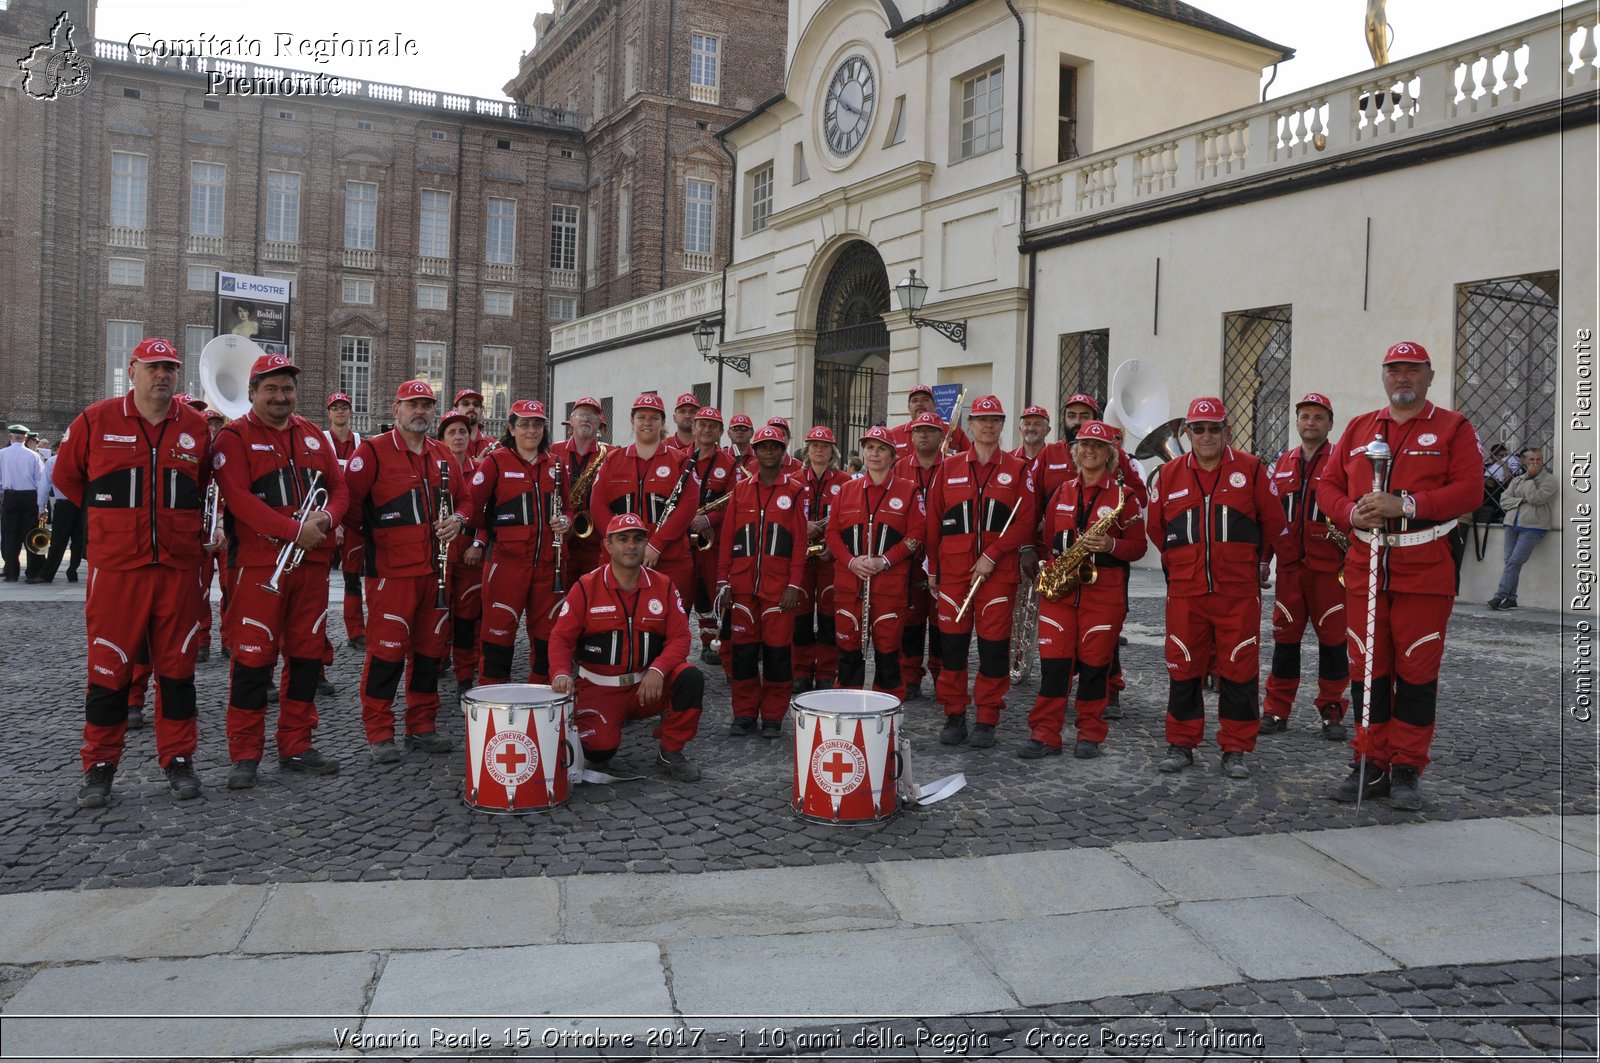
(513, 696)
(846, 702)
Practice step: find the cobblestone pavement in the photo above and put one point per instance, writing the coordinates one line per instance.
(1501, 749)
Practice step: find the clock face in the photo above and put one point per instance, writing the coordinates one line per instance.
(847, 112)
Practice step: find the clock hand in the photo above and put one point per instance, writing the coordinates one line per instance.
(852, 110)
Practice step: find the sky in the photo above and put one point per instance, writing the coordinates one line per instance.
(477, 52)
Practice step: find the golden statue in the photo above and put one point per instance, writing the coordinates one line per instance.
(1377, 30)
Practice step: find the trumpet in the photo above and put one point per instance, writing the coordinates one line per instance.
(705, 540)
(582, 523)
(38, 540)
(290, 556)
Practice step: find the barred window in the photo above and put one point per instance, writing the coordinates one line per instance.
(1256, 356)
(1085, 357)
(1506, 357)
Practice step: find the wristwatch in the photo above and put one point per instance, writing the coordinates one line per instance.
(1408, 505)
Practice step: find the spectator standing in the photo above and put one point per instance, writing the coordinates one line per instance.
(1528, 501)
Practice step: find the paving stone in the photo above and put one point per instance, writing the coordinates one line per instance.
(1421, 853)
(1013, 887)
(131, 923)
(1254, 936)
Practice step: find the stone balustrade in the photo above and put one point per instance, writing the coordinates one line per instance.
(686, 302)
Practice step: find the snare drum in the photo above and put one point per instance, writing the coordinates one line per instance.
(846, 756)
(518, 752)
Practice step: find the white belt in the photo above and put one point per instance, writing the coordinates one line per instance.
(1417, 538)
(626, 679)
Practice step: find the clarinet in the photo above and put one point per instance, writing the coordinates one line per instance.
(556, 537)
(868, 652)
(441, 557)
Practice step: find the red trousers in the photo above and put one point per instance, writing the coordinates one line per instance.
(1305, 595)
(888, 621)
(517, 591)
(466, 609)
(124, 611)
(990, 614)
(921, 638)
(1077, 634)
(402, 622)
(601, 711)
(208, 569)
(1228, 626)
(762, 668)
(816, 649)
(1407, 648)
(350, 555)
(292, 622)
(680, 570)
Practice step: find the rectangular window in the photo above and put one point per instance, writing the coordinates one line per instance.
(496, 382)
(433, 230)
(430, 364)
(703, 60)
(563, 237)
(206, 184)
(360, 216)
(562, 308)
(1256, 356)
(1507, 353)
(355, 372)
(121, 338)
(353, 291)
(630, 66)
(698, 209)
(433, 297)
(599, 90)
(1085, 357)
(129, 187)
(195, 338)
(983, 104)
(363, 125)
(283, 207)
(500, 232)
(496, 303)
(760, 198)
(624, 228)
(1067, 115)
(202, 279)
(126, 272)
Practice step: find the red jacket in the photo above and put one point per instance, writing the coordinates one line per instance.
(900, 435)
(968, 505)
(264, 474)
(142, 485)
(394, 499)
(899, 526)
(628, 483)
(1214, 528)
(763, 540)
(679, 445)
(717, 475)
(511, 504)
(1305, 539)
(609, 631)
(1436, 457)
(1076, 506)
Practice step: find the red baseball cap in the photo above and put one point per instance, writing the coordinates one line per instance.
(986, 406)
(767, 434)
(779, 422)
(528, 408)
(709, 413)
(688, 398)
(1096, 432)
(1080, 399)
(415, 389)
(592, 403)
(741, 420)
(467, 393)
(1037, 411)
(927, 419)
(1315, 399)
(650, 401)
(878, 434)
(1207, 408)
(453, 417)
(216, 415)
(1404, 351)
(916, 389)
(155, 349)
(268, 364)
(625, 522)
(339, 396)
(822, 434)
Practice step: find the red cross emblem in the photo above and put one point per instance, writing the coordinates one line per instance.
(510, 758)
(838, 766)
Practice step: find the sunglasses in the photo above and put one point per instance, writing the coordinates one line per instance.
(1205, 429)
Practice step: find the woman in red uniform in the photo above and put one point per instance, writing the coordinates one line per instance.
(466, 564)
(512, 492)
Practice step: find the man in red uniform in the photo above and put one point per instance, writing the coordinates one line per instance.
(980, 515)
(621, 647)
(740, 429)
(878, 523)
(576, 453)
(1308, 581)
(1214, 515)
(465, 580)
(920, 401)
(717, 473)
(139, 465)
(1079, 630)
(1436, 474)
(920, 636)
(351, 548)
(683, 415)
(762, 557)
(816, 651)
(267, 463)
(396, 497)
(791, 464)
(470, 403)
(646, 477)
(1034, 425)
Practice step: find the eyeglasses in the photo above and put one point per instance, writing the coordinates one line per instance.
(469, 402)
(1205, 429)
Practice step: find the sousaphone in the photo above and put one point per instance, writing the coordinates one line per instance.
(1138, 404)
(225, 373)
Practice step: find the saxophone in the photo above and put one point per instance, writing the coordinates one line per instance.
(582, 524)
(1075, 565)
(707, 540)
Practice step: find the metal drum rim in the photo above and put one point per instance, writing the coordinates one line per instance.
(475, 696)
(890, 703)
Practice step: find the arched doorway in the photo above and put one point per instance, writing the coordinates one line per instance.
(851, 390)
